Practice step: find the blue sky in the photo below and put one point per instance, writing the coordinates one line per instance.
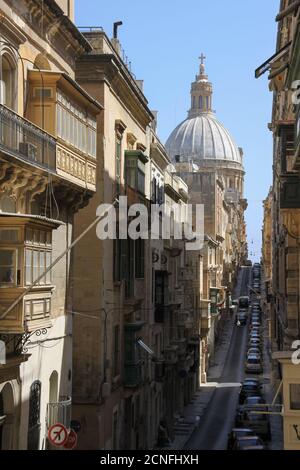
(163, 40)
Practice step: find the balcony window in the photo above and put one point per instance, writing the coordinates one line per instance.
(38, 254)
(8, 267)
(135, 170)
(118, 165)
(75, 126)
(7, 81)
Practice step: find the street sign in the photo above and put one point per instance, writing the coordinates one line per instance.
(71, 440)
(58, 435)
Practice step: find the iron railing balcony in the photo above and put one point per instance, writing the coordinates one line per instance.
(24, 140)
(59, 412)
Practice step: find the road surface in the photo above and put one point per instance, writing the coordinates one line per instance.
(219, 416)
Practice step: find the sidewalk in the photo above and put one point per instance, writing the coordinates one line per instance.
(275, 420)
(193, 412)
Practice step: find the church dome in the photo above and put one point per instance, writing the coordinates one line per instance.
(201, 136)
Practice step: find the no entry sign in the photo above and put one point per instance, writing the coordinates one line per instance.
(71, 440)
(58, 434)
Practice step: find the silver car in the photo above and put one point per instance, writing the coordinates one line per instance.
(253, 364)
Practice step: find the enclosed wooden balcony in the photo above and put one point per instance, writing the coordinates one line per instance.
(27, 145)
(25, 254)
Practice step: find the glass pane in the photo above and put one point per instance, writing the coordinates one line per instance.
(6, 258)
(28, 266)
(49, 238)
(10, 235)
(295, 396)
(141, 182)
(42, 238)
(48, 263)
(29, 235)
(7, 275)
(7, 266)
(130, 180)
(35, 265)
(36, 236)
(42, 265)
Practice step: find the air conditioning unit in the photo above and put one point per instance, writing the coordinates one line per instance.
(28, 150)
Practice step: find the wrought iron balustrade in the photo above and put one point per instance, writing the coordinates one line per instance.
(22, 139)
(59, 412)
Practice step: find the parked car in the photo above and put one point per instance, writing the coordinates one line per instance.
(237, 433)
(250, 401)
(253, 351)
(253, 364)
(251, 404)
(255, 323)
(249, 389)
(255, 343)
(249, 443)
(254, 334)
(244, 301)
(257, 329)
(255, 310)
(258, 422)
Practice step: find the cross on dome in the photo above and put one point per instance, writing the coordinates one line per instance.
(202, 65)
(202, 58)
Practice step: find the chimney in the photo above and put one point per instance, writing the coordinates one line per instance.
(154, 122)
(115, 41)
(140, 84)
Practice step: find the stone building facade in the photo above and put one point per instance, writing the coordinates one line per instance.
(47, 172)
(281, 232)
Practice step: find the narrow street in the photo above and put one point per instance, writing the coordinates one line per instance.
(220, 413)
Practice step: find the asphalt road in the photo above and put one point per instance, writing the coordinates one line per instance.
(219, 416)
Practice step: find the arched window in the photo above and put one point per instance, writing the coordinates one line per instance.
(8, 81)
(53, 387)
(201, 102)
(34, 424)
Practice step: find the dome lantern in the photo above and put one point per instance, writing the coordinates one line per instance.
(201, 92)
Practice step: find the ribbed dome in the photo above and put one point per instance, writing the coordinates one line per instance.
(202, 138)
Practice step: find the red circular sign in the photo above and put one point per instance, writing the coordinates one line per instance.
(71, 442)
(58, 434)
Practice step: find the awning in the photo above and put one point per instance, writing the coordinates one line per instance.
(267, 65)
(145, 347)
